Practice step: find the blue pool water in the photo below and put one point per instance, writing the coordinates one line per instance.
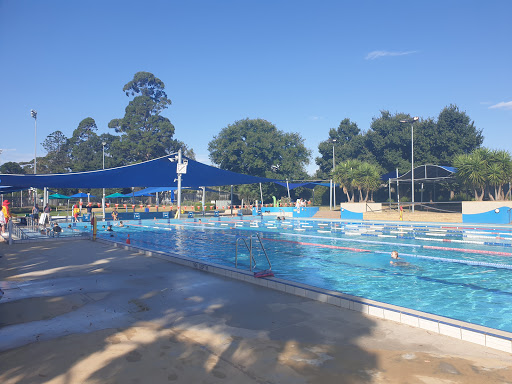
(461, 273)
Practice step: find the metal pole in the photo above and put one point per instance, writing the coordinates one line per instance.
(204, 198)
(389, 190)
(261, 195)
(103, 198)
(231, 200)
(412, 164)
(330, 194)
(35, 141)
(397, 188)
(33, 113)
(179, 183)
(334, 184)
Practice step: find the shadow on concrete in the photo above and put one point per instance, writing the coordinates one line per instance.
(84, 312)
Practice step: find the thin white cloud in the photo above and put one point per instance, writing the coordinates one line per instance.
(502, 105)
(377, 54)
(315, 118)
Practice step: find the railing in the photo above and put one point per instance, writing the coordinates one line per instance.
(16, 231)
(252, 261)
(32, 224)
(36, 233)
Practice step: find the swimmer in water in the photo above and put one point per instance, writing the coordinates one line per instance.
(394, 256)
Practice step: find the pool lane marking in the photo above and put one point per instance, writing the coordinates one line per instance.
(468, 250)
(316, 245)
(508, 254)
(405, 245)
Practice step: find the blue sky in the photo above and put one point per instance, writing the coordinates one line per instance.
(302, 65)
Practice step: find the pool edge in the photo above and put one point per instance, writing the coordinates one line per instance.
(473, 333)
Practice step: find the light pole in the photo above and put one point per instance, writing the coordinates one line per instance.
(33, 113)
(103, 199)
(333, 166)
(416, 118)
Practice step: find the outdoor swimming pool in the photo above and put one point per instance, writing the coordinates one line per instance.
(462, 272)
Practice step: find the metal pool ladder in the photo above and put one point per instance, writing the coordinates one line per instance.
(252, 262)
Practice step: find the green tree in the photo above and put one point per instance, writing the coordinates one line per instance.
(453, 134)
(348, 143)
(389, 142)
(85, 149)
(12, 168)
(345, 175)
(484, 169)
(256, 147)
(367, 179)
(358, 175)
(144, 133)
(472, 171)
(57, 158)
(499, 172)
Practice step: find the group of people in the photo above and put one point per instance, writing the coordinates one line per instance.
(45, 217)
(300, 203)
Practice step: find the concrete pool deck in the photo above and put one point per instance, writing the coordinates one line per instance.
(78, 311)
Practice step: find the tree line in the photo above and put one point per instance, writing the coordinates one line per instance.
(257, 147)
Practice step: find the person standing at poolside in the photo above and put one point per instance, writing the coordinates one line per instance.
(76, 211)
(35, 212)
(2, 220)
(6, 211)
(46, 215)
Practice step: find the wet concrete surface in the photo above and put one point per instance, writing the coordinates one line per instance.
(83, 312)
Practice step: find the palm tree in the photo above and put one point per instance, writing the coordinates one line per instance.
(344, 174)
(369, 178)
(354, 174)
(499, 172)
(472, 171)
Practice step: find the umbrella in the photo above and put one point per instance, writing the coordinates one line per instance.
(81, 195)
(58, 196)
(115, 195)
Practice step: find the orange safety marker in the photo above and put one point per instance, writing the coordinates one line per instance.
(108, 205)
(124, 205)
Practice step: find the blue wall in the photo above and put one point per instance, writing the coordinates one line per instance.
(490, 217)
(349, 215)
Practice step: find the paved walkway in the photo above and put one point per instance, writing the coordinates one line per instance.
(83, 312)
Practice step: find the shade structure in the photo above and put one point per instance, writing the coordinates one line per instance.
(115, 195)
(58, 196)
(160, 172)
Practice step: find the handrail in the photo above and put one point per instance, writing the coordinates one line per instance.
(16, 231)
(264, 251)
(250, 249)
